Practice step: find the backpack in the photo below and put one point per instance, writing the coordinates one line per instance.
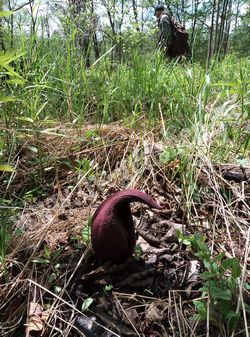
(179, 43)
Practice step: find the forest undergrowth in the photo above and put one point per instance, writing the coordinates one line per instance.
(71, 137)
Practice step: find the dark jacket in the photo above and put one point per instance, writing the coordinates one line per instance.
(165, 35)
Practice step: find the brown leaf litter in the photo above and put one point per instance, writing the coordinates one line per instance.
(149, 295)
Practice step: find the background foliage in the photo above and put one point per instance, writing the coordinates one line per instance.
(68, 65)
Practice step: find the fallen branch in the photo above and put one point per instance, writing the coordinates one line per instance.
(236, 173)
(23, 5)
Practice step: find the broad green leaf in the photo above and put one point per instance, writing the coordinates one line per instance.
(231, 314)
(108, 287)
(204, 290)
(234, 265)
(186, 242)
(52, 277)
(233, 318)
(7, 168)
(218, 293)
(214, 267)
(201, 307)
(207, 275)
(225, 307)
(219, 257)
(87, 303)
(199, 244)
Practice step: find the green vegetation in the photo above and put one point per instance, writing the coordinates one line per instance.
(221, 285)
(186, 96)
(199, 113)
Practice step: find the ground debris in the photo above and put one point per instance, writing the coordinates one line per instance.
(150, 294)
(36, 319)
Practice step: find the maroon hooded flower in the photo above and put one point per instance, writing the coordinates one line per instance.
(113, 233)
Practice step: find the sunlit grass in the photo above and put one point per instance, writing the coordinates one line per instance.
(201, 118)
(54, 85)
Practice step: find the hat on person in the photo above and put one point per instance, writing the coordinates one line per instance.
(159, 7)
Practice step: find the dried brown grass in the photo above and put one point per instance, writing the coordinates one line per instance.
(120, 158)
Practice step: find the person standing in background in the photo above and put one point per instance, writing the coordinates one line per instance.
(173, 37)
(164, 25)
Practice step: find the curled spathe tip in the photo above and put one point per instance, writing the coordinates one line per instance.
(112, 232)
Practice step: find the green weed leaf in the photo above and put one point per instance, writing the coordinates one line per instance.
(7, 168)
(219, 257)
(201, 307)
(108, 287)
(233, 318)
(207, 275)
(219, 293)
(51, 277)
(232, 264)
(87, 303)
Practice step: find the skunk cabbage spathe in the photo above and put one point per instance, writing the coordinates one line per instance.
(112, 232)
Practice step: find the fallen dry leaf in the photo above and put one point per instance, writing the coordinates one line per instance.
(36, 319)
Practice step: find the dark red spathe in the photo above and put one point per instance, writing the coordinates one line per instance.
(112, 233)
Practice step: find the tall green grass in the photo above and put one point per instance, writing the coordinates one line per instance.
(204, 114)
(53, 84)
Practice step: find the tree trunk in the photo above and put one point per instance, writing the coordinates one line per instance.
(112, 25)
(111, 21)
(1, 28)
(135, 10)
(222, 26)
(183, 12)
(211, 32)
(119, 47)
(237, 13)
(195, 9)
(216, 36)
(115, 24)
(33, 23)
(227, 28)
(77, 12)
(95, 40)
(142, 17)
(11, 25)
